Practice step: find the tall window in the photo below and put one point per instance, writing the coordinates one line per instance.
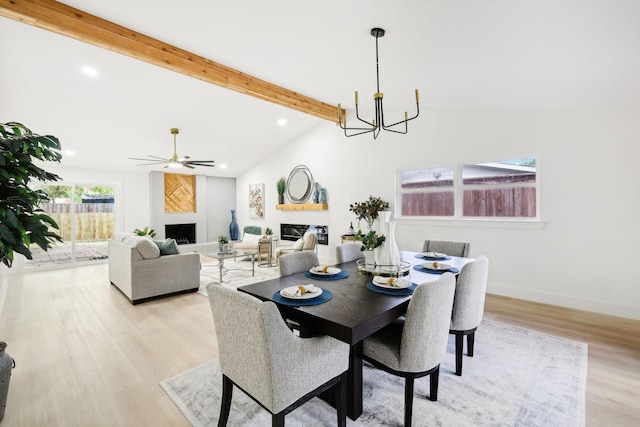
(86, 219)
(500, 190)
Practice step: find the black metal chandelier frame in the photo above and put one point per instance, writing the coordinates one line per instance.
(378, 122)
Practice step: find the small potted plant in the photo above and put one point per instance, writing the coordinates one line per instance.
(368, 210)
(223, 243)
(269, 233)
(370, 241)
(280, 185)
(147, 231)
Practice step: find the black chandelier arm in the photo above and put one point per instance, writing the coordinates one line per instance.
(386, 127)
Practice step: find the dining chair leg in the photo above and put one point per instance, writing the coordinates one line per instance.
(225, 406)
(470, 341)
(408, 400)
(459, 350)
(277, 420)
(433, 384)
(341, 400)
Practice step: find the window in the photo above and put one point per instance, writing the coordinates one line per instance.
(503, 189)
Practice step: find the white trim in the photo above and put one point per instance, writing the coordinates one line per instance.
(474, 222)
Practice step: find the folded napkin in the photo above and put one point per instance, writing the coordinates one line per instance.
(389, 281)
(298, 291)
(434, 254)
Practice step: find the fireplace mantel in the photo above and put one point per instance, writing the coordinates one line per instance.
(303, 207)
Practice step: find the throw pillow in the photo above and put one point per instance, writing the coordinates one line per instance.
(298, 245)
(146, 247)
(167, 247)
(251, 238)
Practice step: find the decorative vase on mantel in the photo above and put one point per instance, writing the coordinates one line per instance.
(388, 253)
(234, 230)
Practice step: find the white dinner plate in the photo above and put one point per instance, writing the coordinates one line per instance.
(320, 271)
(307, 295)
(383, 282)
(437, 267)
(434, 255)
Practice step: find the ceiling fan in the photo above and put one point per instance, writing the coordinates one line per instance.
(174, 161)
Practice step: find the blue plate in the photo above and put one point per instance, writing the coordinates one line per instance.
(421, 269)
(387, 291)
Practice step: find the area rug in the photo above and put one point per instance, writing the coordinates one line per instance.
(517, 377)
(235, 273)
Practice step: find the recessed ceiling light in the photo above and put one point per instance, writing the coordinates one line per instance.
(223, 166)
(89, 71)
(282, 122)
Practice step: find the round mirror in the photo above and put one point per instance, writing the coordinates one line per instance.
(299, 184)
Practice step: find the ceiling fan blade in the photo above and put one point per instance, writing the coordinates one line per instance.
(160, 160)
(156, 157)
(186, 165)
(200, 164)
(150, 164)
(201, 161)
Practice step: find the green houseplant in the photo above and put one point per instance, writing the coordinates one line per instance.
(280, 186)
(22, 221)
(369, 209)
(147, 231)
(370, 241)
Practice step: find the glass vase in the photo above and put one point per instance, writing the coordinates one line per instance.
(234, 230)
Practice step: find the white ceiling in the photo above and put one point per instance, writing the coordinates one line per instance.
(458, 53)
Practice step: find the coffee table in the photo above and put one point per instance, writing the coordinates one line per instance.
(221, 256)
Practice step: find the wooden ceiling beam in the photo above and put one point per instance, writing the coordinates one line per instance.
(66, 20)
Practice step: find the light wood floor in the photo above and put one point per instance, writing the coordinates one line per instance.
(86, 357)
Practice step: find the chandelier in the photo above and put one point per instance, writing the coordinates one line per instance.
(378, 122)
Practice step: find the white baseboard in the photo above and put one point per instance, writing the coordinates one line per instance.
(597, 306)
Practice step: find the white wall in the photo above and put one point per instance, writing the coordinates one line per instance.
(580, 255)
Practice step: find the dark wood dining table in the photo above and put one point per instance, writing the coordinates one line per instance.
(353, 313)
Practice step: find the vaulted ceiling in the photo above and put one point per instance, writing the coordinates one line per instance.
(460, 54)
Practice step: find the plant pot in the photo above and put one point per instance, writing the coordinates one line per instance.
(281, 199)
(369, 258)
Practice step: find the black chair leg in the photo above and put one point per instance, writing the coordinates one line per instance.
(341, 400)
(433, 384)
(470, 341)
(408, 401)
(225, 407)
(459, 345)
(277, 420)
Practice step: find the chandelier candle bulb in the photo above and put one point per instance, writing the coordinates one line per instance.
(406, 116)
(417, 97)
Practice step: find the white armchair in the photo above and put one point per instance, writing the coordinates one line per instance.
(250, 239)
(306, 243)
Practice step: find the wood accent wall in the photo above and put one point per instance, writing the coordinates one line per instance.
(179, 193)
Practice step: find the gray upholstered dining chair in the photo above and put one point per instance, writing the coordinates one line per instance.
(447, 247)
(468, 305)
(415, 346)
(349, 251)
(261, 356)
(297, 262)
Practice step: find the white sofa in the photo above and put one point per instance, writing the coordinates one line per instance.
(138, 270)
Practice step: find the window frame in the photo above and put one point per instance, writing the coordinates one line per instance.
(459, 188)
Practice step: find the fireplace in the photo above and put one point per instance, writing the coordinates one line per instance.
(294, 232)
(182, 233)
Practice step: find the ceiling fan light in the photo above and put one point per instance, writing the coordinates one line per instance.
(174, 164)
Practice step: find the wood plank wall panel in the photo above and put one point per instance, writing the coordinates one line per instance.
(179, 193)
